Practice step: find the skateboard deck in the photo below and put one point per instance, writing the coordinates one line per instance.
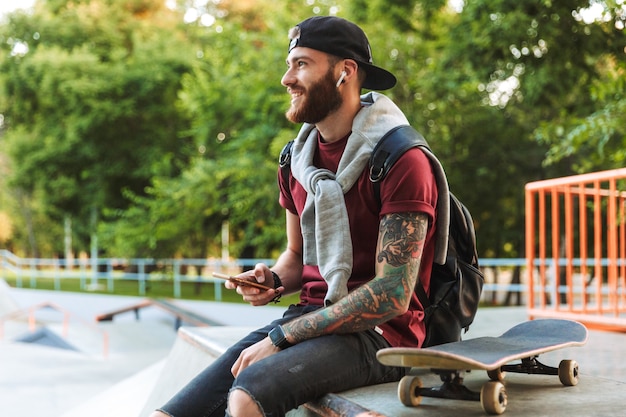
(524, 342)
(527, 339)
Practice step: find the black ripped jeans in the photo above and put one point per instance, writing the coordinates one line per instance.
(289, 378)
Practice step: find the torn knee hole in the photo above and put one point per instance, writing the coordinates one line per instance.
(240, 399)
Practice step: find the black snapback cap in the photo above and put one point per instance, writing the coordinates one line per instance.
(340, 37)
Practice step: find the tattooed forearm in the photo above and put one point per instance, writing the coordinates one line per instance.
(400, 245)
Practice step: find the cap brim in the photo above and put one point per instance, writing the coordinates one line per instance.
(377, 78)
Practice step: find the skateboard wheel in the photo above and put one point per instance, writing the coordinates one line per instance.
(568, 372)
(496, 374)
(493, 397)
(407, 391)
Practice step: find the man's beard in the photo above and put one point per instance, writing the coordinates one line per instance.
(317, 101)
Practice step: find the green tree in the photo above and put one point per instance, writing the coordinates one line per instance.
(235, 104)
(176, 130)
(564, 73)
(596, 140)
(537, 63)
(89, 104)
(483, 84)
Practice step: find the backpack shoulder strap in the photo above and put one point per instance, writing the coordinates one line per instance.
(390, 147)
(284, 160)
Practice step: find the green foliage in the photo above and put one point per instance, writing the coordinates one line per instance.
(556, 59)
(600, 135)
(527, 65)
(236, 104)
(175, 216)
(171, 129)
(91, 107)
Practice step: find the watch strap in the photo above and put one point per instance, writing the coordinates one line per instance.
(277, 282)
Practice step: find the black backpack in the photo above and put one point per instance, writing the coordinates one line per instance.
(456, 286)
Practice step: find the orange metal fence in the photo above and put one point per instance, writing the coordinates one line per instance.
(576, 248)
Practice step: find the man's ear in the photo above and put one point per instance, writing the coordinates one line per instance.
(351, 68)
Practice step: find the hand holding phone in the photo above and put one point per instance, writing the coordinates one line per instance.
(243, 282)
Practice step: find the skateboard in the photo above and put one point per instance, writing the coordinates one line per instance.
(524, 343)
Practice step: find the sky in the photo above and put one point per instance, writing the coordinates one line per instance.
(10, 5)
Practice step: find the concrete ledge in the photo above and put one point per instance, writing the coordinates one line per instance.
(333, 405)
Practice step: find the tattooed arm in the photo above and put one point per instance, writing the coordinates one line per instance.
(401, 240)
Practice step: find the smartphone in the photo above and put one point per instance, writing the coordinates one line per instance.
(243, 282)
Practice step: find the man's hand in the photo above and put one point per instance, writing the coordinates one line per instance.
(254, 353)
(255, 296)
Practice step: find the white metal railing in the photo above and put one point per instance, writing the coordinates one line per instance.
(95, 272)
(502, 281)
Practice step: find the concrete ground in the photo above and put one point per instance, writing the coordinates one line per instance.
(42, 380)
(38, 380)
(601, 391)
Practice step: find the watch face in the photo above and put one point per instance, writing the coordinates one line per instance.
(274, 336)
(278, 338)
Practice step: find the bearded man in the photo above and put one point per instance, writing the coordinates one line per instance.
(354, 259)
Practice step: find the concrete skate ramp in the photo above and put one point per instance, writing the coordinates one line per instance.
(194, 349)
(46, 337)
(124, 399)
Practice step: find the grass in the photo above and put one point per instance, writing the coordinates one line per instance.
(160, 288)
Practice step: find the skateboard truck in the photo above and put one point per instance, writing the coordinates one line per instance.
(530, 366)
(452, 387)
(567, 370)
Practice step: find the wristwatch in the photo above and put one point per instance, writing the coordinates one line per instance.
(277, 336)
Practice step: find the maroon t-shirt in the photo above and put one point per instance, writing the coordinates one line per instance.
(408, 187)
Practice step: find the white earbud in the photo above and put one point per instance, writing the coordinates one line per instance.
(343, 74)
